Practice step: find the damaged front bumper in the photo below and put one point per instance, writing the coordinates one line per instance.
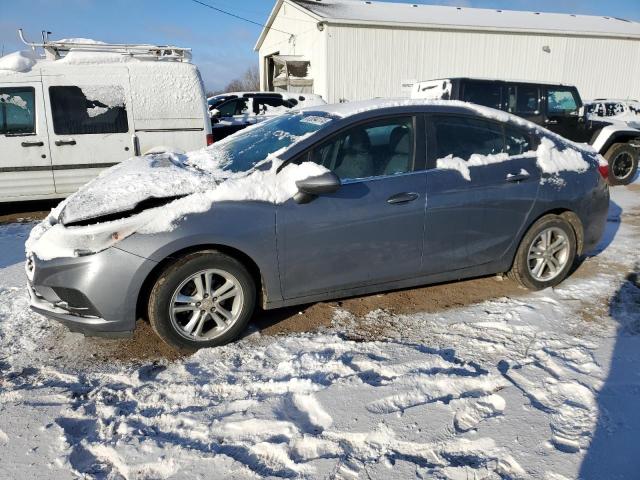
(95, 295)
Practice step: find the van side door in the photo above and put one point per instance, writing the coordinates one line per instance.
(25, 163)
(89, 125)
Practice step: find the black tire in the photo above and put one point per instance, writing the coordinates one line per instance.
(623, 163)
(520, 270)
(160, 298)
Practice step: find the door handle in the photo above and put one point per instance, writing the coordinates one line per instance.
(33, 144)
(518, 178)
(551, 122)
(59, 143)
(404, 197)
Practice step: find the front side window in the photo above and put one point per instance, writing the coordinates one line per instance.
(380, 148)
(483, 93)
(462, 137)
(561, 101)
(88, 110)
(524, 99)
(17, 111)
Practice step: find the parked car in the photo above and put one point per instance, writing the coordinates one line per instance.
(625, 112)
(231, 112)
(87, 106)
(556, 107)
(361, 197)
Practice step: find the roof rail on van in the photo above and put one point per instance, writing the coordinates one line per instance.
(53, 48)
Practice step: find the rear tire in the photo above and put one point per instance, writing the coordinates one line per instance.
(545, 254)
(623, 163)
(204, 299)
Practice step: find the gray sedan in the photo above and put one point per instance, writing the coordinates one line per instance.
(409, 193)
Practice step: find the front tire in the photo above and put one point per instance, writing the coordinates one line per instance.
(623, 163)
(546, 254)
(204, 299)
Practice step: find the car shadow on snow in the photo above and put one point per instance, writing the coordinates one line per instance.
(613, 452)
(614, 217)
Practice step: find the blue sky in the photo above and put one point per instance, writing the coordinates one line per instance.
(222, 46)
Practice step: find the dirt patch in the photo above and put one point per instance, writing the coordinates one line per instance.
(430, 299)
(144, 346)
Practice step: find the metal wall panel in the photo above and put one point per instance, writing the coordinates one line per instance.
(366, 62)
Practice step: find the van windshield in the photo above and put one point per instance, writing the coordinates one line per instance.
(245, 149)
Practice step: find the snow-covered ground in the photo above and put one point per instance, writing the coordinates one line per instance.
(539, 385)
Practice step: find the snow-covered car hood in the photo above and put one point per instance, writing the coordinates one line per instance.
(134, 185)
(153, 194)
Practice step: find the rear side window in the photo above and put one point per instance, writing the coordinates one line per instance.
(462, 137)
(88, 110)
(524, 99)
(483, 93)
(561, 101)
(17, 111)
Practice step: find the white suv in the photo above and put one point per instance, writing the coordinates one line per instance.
(85, 106)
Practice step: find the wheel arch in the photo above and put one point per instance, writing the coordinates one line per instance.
(569, 215)
(242, 257)
(620, 136)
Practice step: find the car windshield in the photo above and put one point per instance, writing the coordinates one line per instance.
(244, 150)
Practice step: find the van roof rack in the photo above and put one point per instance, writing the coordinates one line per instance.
(53, 49)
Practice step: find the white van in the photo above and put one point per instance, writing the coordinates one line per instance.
(86, 106)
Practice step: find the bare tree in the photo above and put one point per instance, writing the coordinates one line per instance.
(249, 82)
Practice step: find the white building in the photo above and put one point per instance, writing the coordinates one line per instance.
(352, 49)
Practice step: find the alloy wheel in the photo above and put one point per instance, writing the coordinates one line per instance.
(206, 304)
(548, 254)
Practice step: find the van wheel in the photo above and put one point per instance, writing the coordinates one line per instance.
(205, 299)
(546, 254)
(623, 163)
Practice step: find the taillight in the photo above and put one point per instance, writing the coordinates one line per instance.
(210, 139)
(604, 171)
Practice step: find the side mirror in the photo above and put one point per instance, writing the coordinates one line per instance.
(311, 187)
(214, 112)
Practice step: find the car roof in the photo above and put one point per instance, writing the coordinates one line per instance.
(497, 80)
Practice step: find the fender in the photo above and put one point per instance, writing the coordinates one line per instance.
(615, 134)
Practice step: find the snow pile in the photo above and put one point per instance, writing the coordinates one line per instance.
(21, 61)
(553, 160)
(549, 158)
(454, 163)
